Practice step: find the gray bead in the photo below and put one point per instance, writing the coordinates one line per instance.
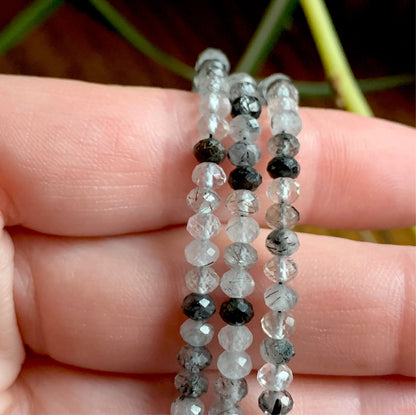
(232, 390)
(194, 359)
(283, 144)
(240, 255)
(242, 202)
(282, 215)
(225, 408)
(212, 54)
(244, 153)
(187, 406)
(282, 242)
(275, 403)
(190, 384)
(266, 83)
(277, 351)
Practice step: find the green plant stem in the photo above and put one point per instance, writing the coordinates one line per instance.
(268, 31)
(337, 68)
(129, 32)
(24, 22)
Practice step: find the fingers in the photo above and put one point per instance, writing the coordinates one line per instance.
(83, 159)
(114, 303)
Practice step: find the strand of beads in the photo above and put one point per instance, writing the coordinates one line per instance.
(276, 349)
(211, 71)
(234, 363)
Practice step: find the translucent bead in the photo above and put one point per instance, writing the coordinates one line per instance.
(225, 408)
(275, 403)
(203, 200)
(282, 215)
(208, 84)
(266, 83)
(203, 226)
(201, 253)
(274, 378)
(280, 269)
(244, 153)
(246, 105)
(278, 325)
(283, 144)
(202, 280)
(212, 54)
(218, 104)
(282, 88)
(235, 338)
(283, 190)
(280, 104)
(240, 77)
(282, 242)
(286, 121)
(237, 283)
(188, 406)
(191, 385)
(213, 125)
(280, 297)
(232, 390)
(244, 127)
(240, 89)
(240, 255)
(277, 352)
(194, 359)
(197, 333)
(234, 365)
(208, 175)
(242, 202)
(242, 229)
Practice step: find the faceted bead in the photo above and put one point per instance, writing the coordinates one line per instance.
(213, 125)
(235, 338)
(203, 226)
(283, 144)
(208, 175)
(225, 408)
(240, 77)
(202, 280)
(245, 177)
(198, 306)
(197, 333)
(211, 78)
(240, 255)
(283, 166)
(239, 89)
(209, 149)
(242, 229)
(282, 215)
(234, 365)
(276, 79)
(280, 104)
(242, 202)
(236, 311)
(280, 297)
(187, 406)
(203, 200)
(212, 54)
(201, 253)
(275, 378)
(282, 242)
(286, 121)
(277, 352)
(248, 105)
(237, 283)
(191, 385)
(278, 325)
(280, 269)
(194, 359)
(218, 104)
(244, 153)
(232, 390)
(275, 403)
(244, 127)
(283, 190)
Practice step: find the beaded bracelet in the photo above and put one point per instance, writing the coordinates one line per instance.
(277, 350)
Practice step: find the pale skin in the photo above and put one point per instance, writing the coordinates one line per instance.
(92, 186)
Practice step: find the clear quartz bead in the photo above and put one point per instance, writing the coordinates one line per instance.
(202, 280)
(203, 200)
(282, 87)
(240, 255)
(208, 175)
(237, 283)
(242, 229)
(280, 269)
(201, 253)
(279, 104)
(234, 365)
(208, 84)
(218, 104)
(280, 297)
(213, 125)
(275, 403)
(197, 333)
(244, 153)
(274, 378)
(225, 408)
(242, 202)
(231, 390)
(282, 242)
(283, 145)
(203, 226)
(286, 121)
(212, 54)
(277, 78)
(243, 88)
(278, 325)
(244, 127)
(235, 338)
(194, 359)
(282, 215)
(283, 190)
(187, 406)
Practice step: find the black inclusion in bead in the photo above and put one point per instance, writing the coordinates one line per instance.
(198, 306)
(209, 149)
(236, 311)
(245, 177)
(246, 105)
(283, 166)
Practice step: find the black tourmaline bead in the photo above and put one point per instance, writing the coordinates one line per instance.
(245, 177)
(283, 166)
(246, 105)
(236, 311)
(210, 149)
(198, 306)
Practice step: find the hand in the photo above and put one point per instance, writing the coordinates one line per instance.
(93, 182)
